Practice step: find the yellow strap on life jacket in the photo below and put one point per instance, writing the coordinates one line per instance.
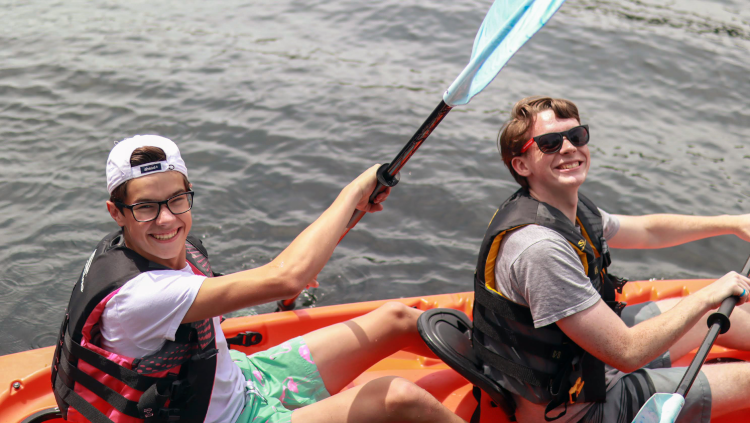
(586, 236)
(489, 267)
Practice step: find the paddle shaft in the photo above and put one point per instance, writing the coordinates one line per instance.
(746, 268)
(389, 175)
(403, 156)
(718, 323)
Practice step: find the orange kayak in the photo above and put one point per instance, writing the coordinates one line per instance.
(26, 394)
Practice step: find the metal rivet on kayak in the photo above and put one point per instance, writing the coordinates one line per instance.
(16, 385)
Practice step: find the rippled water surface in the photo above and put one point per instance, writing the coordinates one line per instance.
(276, 105)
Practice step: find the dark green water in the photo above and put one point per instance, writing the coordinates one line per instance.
(276, 105)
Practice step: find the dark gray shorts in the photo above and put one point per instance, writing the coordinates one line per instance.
(626, 396)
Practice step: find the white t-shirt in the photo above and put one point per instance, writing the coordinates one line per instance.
(147, 311)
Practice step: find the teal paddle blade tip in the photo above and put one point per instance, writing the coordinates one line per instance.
(505, 29)
(660, 408)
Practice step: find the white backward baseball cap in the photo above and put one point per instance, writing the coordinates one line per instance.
(119, 170)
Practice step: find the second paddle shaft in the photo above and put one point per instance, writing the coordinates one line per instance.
(718, 323)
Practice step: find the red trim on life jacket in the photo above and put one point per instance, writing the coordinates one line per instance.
(110, 381)
(95, 315)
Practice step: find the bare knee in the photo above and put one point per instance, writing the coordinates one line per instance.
(404, 397)
(400, 315)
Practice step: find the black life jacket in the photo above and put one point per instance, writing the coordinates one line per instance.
(91, 384)
(502, 328)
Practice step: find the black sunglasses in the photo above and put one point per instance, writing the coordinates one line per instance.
(553, 141)
(147, 211)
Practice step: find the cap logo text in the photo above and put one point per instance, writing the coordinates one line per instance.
(150, 168)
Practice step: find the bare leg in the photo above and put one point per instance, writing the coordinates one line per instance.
(387, 399)
(730, 387)
(735, 338)
(345, 350)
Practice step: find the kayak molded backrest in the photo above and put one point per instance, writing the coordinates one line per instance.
(447, 332)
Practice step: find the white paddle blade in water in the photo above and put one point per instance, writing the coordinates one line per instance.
(660, 408)
(507, 27)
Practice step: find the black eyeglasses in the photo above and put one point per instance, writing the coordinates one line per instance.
(553, 142)
(147, 211)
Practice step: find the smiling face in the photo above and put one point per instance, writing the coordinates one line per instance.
(162, 240)
(558, 174)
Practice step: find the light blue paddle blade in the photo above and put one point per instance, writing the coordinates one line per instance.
(660, 408)
(507, 26)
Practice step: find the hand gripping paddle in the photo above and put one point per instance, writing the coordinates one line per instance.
(665, 408)
(507, 27)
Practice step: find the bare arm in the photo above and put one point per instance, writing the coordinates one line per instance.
(601, 332)
(296, 266)
(667, 230)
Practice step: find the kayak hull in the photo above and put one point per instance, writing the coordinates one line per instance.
(25, 386)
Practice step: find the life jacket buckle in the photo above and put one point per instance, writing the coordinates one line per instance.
(618, 283)
(617, 306)
(575, 390)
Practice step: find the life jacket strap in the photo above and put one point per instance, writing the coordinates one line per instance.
(128, 377)
(119, 402)
(559, 387)
(500, 306)
(84, 407)
(500, 333)
(150, 407)
(551, 406)
(522, 373)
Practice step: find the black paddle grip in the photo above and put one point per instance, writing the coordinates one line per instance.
(385, 177)
(722, 316)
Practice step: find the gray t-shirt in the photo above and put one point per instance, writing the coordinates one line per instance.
(537, 267)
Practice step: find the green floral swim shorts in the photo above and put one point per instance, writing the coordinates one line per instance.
(278, 381)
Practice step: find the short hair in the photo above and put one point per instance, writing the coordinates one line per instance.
(514, 133)
(142, 155)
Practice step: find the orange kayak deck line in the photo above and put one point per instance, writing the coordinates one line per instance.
(25, 386)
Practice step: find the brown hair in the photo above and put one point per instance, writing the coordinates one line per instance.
(142, 155)
(514, 133)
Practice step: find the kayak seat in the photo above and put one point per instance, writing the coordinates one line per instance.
(447, 332)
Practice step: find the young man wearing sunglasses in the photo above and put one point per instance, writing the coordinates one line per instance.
(546, 323)
(141, 337)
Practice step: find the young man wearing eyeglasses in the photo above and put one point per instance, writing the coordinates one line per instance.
(142, 341)
(546, 323)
